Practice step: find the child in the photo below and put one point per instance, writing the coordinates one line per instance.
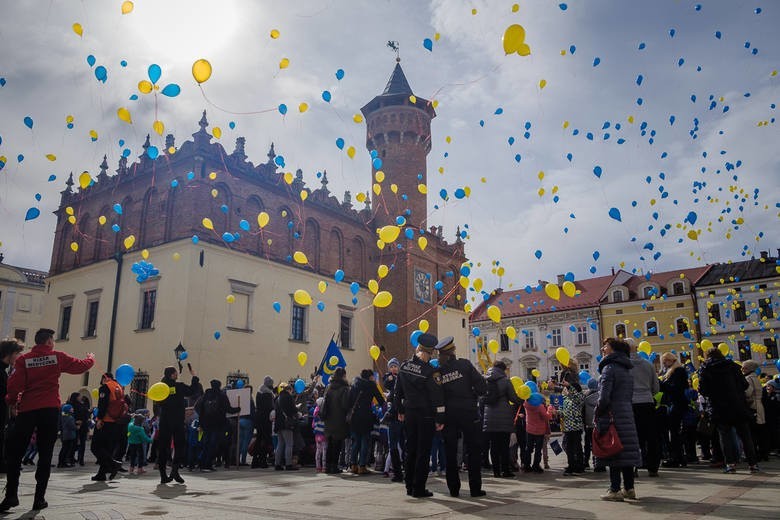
(68, 435)
(571, 412)
(537, 423)
(318, 425)
(136, 437)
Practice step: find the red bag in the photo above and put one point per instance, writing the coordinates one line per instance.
(607, 444)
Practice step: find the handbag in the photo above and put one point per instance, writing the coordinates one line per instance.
(705, 426)
(607, 444)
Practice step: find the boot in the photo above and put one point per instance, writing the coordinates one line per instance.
(164, 478)
(354, 469)
(362, 470)
(40, 502)
(175, 473)
(11, 498)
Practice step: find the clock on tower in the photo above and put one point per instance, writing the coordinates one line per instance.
(422, 286)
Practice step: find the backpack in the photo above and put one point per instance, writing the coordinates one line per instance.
(491, 396)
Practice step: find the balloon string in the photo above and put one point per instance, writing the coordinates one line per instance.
(231, 111)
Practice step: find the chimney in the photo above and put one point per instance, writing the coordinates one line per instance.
(561, 278)
(613, 270)
(2, 257)
(764, 255)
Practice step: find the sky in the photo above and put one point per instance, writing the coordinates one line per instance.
(679, 98)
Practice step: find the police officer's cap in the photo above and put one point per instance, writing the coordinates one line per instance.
(428, 342)
(446, 345)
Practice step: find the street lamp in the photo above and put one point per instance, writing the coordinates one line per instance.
(178, 351)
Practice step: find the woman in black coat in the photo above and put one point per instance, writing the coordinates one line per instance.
(674, 383)
(335, 416)
(364, 391)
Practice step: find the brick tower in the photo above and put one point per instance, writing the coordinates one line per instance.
(398, 129)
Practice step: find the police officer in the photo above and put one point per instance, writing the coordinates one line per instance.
(462, 385)
(420, 403)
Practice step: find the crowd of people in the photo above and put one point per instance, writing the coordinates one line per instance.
(431, 414)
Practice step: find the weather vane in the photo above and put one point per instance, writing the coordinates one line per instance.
(396, 47)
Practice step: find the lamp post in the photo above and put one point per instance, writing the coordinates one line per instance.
(178, 351)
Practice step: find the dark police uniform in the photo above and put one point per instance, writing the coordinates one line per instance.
(462, 385)
(419, 397)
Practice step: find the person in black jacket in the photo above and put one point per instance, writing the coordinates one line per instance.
(363, 391)
(171, 424)
(285, 422)
(462, 386)
(674, 383)
(264, 405)
(9, 351)
(395, 428)
(212, 409)
(420, 403)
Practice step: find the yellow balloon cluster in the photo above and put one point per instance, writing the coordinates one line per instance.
(514, 40)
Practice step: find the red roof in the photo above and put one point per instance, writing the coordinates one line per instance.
(662, 279)
(537, 302)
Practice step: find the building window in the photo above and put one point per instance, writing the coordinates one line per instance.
(617, 296)
(65, 312)
(298, 323)
(771, 348)
(20, 334)
(555, 335)
(620, 330)
(23, 302)
(240, 311)
(556, 368)
(90, 331)
(651, 328)
(139, 387)
(739, 312)
(345, 331)
(678, 288)
(585, 365)
(504, 343)
(529, 341)
(148, 304)
(743, 346)
(682, 325)
(713, 309)
(582, 335)
(765, 306)
(648, 292)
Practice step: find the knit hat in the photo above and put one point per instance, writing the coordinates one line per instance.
(593, 384)
(67, 408)
(393, 361)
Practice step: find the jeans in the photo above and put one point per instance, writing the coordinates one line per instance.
(284, 448)
(395, 437)
(211, 438)
(730, 452)
(614, 477)
(359, 450)
(245, 427)
(533, 445)
(137, 455)
(45, 422)
(574, 450)
(438, 457)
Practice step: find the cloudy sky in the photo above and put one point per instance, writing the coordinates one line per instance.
(721, 52)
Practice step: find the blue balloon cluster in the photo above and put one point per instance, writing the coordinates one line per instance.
(144, 270)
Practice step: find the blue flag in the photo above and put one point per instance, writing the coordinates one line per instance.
(327, 368)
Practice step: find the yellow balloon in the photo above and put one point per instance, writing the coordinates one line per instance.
(333, 361)
(563, 356)
(422, 188)
(145, 86)
(201, 70)
(262, 219)
(284, 63)
(379, 176)
(535, 372)
(304, 195)
(424, 325)
(494, 313)
(274, 33)
(129, 241)
(216, 132)
(524, 49)
(158, 391)
(85, 179)
(351, 152)
(374, 352)
(695, 383)
(724, 348)
(388, 234)
(394, 188)
(511, 332)
(302, 297)
(517, 383)
(78, 29)
(214, 193)
(95, 393)
(322, 286)
(552, 291)
(69, 210)
(176, 257)
(357, 118)
(422, 243)
(542, 83)
(569, 289)
(373, 286)
(525, 392)
(145, 254)
(706, 345)
(230, 298)
(493, 346)
(207, 223)
(300, 257)
(382, 271)
(464, 282)
(303, 107)
(644, 346)
(102, 220)
(302, 357)
(72, 219)
(514, 37)
(124, 115)
(74, 247)
(127, 7)
(477, 283)
(383, 299)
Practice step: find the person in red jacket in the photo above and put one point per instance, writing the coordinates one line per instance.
(34, 397)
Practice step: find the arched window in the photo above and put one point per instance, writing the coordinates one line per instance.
(651, 328)
(336, 245)
(311, 243)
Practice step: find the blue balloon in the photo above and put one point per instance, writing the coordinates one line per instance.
(240, 383)
(277, 307)
(438, 285)
(91, 60)
(340, 143)
(475, 331)
(217, 335)
(283, 109)
(340, 74)
(326, 96)
(244, 225)
(152, 152)
(118, 209)
(299, 386)
(338, 275)
(32, 214)
(428, 44)
(183, 356)
(409, 233)
(171, 90)
(125, 374)
(414, 338)
(321, 306)
(354, 287)
(115, 228)
(228, 237)
(391, 327)
(377, 163)
(584, 377)
(536, 399)
(532, 386)
(435, 363)
(101, 73)
(195, 239)
(154, 72)
(28, 122)
(614, 213)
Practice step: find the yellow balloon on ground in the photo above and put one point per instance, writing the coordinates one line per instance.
(207, 223)
(494, 313)
(383, 299)
(230, 298)
(525, 392)
(563, 356)
(424, 325)
(302, 297)
(511, 332)
(535, 372)
(493, 346)
(85, 179)
(706, 345)
(388, 234)
(124, 115)
(569, 289)
(422, 243)
(262, 219)
(374, 352)
(724, 348)
(300, 257)
(322, 286)
(644, 346)
(129, 241)
(201, 70)
(176, 257)
(552, 291)
(158, 391)
(373, 286)
(302, 357)
(145, 254)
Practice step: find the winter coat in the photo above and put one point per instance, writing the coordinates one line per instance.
(753, 396)
(215, 418)
(500, 415)
(674, 388)
(721, 380)
(172, 407)
(68, 427)
(646, 383)
(286, 412)
(264, 404)
(3, 391)
(137, 435)
(616, 388)
(572, 411)
(591, 400)
(537, 418)
(360, 396)
(336, 409)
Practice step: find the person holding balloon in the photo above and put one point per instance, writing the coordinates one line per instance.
(171, 393)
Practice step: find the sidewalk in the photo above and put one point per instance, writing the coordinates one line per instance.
(237, 494)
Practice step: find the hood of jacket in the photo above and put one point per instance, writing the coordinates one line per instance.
(495, 373)
(718, 366)
(337, 383)
(618, 358)
(363, 385)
